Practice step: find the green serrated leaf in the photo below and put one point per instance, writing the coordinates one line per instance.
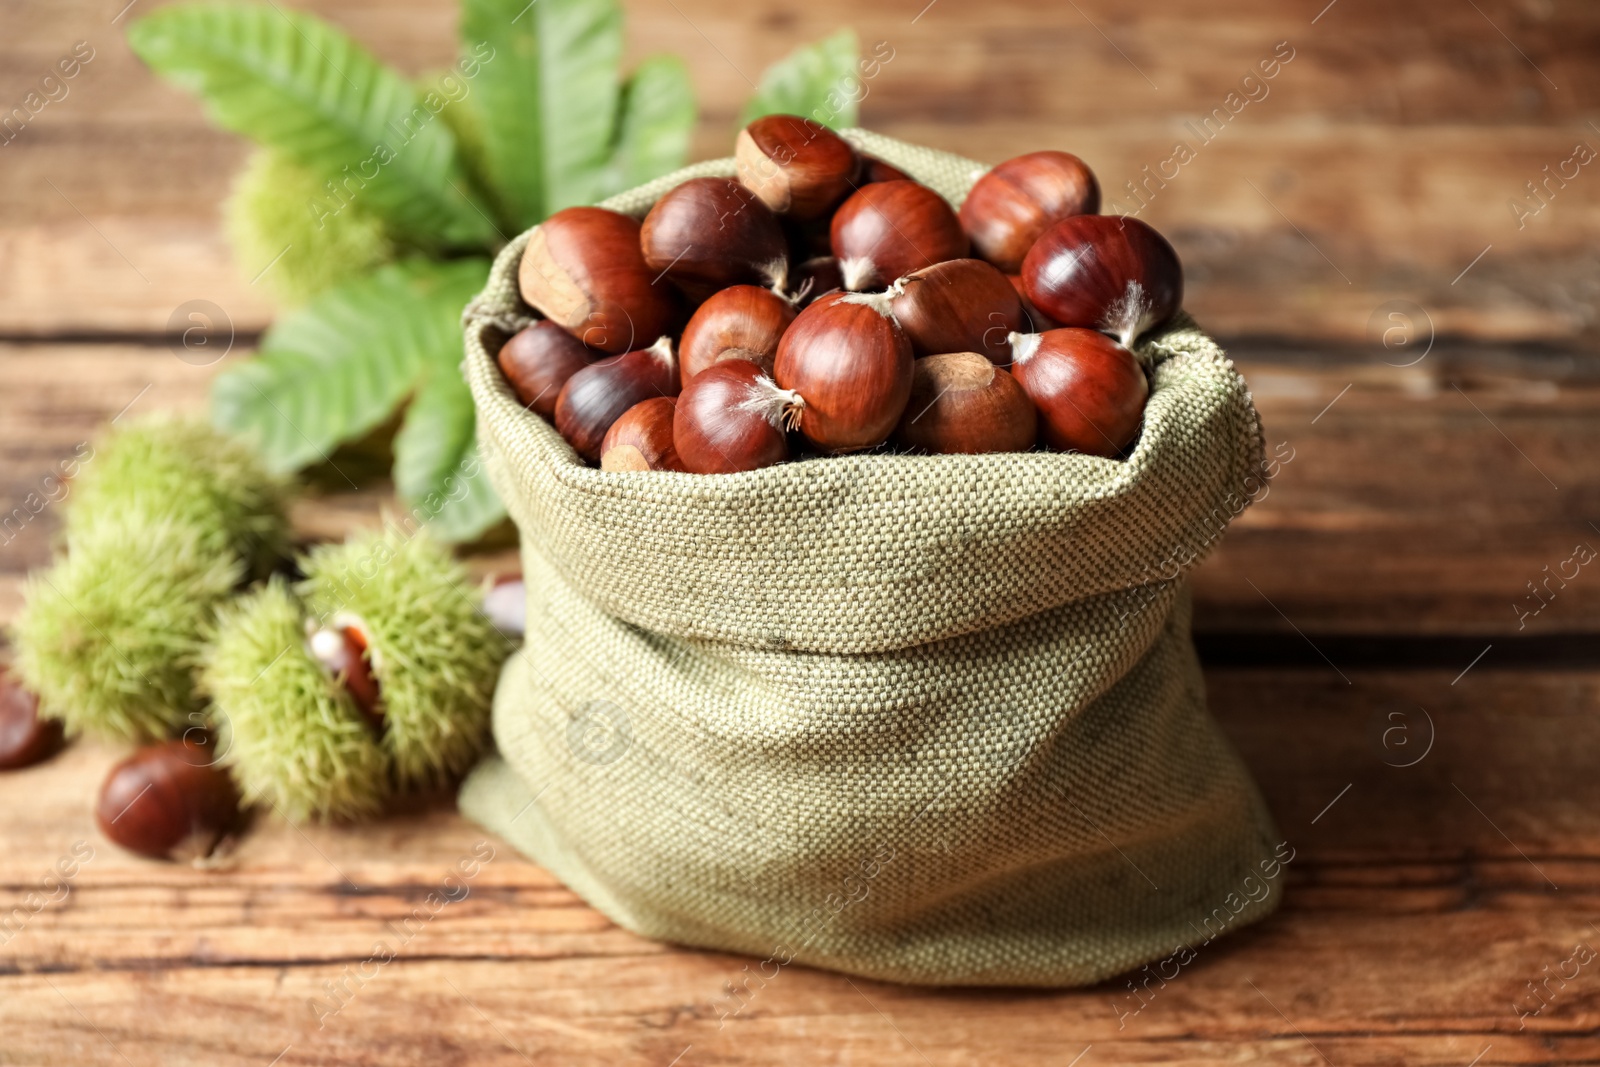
(333, 370)
(548, 98)
(656, 117)
(296, 84)
(819, 81)
(436, 465)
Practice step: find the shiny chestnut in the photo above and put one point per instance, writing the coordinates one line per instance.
(739, 322)
(168, 801)
(1010, 206)
(962, 403)
(1104, 272)
(538, 361)
(732, 418)
(888, 229)
(797, 167)
(709, 233)
(597, 395)
(960, 305)
(850, 363)
(583, 270)
(641, 439)
(26, 737)
(1090, 391)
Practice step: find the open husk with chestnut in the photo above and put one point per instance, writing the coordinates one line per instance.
(872, 628)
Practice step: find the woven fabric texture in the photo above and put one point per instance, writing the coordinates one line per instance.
(934, 719)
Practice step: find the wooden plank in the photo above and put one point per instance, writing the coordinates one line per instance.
(1416, 911)
(1416, 503)
(1383, 161)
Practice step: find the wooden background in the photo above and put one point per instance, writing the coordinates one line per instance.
(1387, 573)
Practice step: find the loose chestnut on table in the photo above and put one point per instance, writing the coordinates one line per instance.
(168, 801)
(1104, 272)
(797, 167)
(888, 229)
(597, 395)
(1089, 391)
(850, 363)
(641, 440)
(583, 269)
(538, 361)
(26, 737)
(1013, 204)
(709, 233)
(960, 305)
(739, 322)
(962, 403)
(732, 417)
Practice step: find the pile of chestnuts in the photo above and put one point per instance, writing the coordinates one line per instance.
(823, 302)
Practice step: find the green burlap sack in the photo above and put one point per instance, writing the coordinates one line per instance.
(930, 719)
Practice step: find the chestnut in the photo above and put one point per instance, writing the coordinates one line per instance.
(796, 166)
(1104, 272)
(709, 233)
(26, 737)
(732, 418)
(506, 604)
(584, 271)
(1089, 390)
(538, 361)
(641, 439)
(739, 322)
(1010, 206)
(168, 801)
(813, 278)
(345, 652)
(597, 395)
(889, 229)
(960, 305)
(962, 402)
(1041, 322)
(850, 362)
(874, 169)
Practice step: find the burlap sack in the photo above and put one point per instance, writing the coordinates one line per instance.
(930, 719)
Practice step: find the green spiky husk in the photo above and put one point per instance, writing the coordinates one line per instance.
(282, 221)
(291, 736)
(166, 467)
(109, 636)
(435, 655)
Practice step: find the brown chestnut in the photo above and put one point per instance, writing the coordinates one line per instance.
(641, 439)
(1010, 206)
(168, 801)
(26, 737)
(538, 361)
(960, 305)
(813, 278)
(797, 167)
(597, 395)
(1040, 321)
(850, 362)
(732, 418)
(1104, 272)
(739, 322)
(889, 229)
(584, 271)
(962, 402)
(345, 652)
(1089, 390)
(874, 169)
(709, 233)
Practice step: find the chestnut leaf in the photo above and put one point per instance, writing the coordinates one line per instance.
(818, 81)
(297, 85)
(336, 369)
(653, 127)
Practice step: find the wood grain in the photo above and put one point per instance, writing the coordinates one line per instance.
(1381, 162)
(1417, 908)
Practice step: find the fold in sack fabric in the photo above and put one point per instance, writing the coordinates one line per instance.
(934, 719)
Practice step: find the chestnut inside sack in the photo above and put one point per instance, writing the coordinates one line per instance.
(929, 681)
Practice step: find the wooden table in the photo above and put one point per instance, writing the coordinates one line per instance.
(1384, 583)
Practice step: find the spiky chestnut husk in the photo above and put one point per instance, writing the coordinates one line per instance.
(108, 637)
(165, 467)
(435, 654)
(291, 736)
(280, 208)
